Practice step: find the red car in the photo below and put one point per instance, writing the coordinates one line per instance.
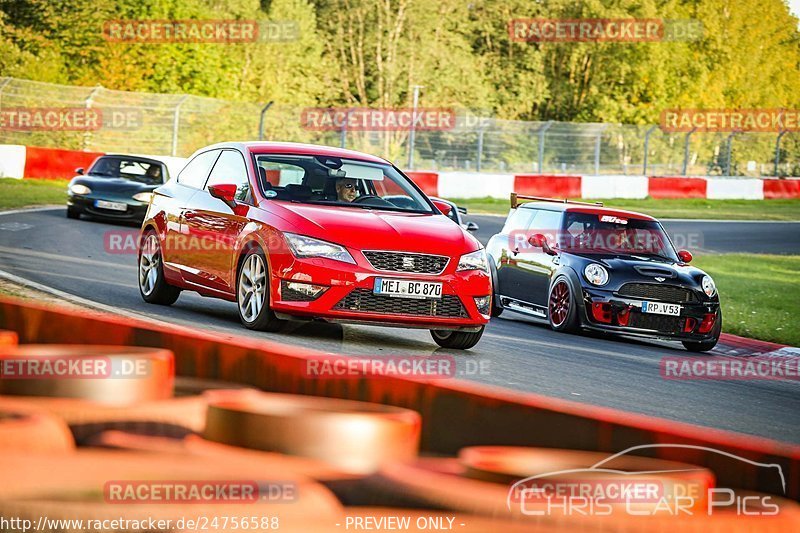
(293, 231)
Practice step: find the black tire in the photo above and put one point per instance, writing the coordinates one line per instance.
(156, 290)
(704, 346)
(73, 213)
(261, 317)
(562, 307)
(457, 340)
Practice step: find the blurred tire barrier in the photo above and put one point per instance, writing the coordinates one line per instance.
(107, 485)
(174, 418)
(356, 437)
(34, 433)
(8, 338)
(118, 375)
(455, 413)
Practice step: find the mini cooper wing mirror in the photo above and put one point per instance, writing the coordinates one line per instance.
(443, 207)
(685, 256)
(79, 171)
(225, 192)
(540, 241)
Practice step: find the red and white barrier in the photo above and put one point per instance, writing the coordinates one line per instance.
(17, 161)
(475, 185)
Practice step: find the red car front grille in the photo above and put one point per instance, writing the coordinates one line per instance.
(365, 301)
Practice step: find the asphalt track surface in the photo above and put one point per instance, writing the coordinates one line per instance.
(515, 353)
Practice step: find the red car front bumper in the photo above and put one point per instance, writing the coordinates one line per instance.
(348, 295)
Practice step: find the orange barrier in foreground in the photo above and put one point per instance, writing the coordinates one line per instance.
(455, 414)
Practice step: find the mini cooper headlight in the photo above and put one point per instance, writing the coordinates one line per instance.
(80, 189)
(143, 197)
(596, 274)
(474, 261)
(709, 287)
(303, 246)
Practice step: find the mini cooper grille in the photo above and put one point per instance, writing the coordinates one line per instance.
(666, 293)
(662, 323)
(402, 262)
(291, 295)
(365, 301)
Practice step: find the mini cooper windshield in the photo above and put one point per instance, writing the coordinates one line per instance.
(611, 234)
(338, 182)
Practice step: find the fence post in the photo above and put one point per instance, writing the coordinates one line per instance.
(686, 152)
(88, 105)
(647, 147)
(343, 139)
(597, 150)
(261, 121)
(175, 122)
(542, 131)
(413, 128)
(778, 151)
(481, 131)
(5, 82)
(728, 153)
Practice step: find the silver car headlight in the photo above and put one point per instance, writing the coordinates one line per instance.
(474, 261)
(79, 189)
(143, 197)
(596, 274)
(709, 287)
(303, 246)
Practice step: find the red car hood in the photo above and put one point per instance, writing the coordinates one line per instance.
(373, 229)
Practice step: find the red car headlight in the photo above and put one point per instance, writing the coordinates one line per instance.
(303, 246)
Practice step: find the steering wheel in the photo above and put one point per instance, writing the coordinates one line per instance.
(373, 199)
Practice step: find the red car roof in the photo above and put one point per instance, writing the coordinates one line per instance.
(309, 149)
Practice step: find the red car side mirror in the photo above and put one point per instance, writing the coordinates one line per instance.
(685, 256)
(225, 192)
(443, 207)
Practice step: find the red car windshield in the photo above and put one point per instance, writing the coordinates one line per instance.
(340, 182)
(607, 233)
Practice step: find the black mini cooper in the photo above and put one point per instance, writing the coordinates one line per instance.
(583, 266)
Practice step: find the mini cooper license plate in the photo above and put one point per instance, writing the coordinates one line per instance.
(661, 308)
(407, 288)
(114, 206)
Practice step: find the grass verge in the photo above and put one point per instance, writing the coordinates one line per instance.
(678, 208)
(27, 192)
(760, 294)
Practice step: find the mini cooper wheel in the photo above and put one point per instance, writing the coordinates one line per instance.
(152, 285)
(562, 309)
(457, 340)
(704, 346)
(252, 293)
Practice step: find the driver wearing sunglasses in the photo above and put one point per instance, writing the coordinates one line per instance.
(346, 189)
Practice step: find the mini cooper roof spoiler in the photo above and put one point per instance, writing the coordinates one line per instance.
(516, 197)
